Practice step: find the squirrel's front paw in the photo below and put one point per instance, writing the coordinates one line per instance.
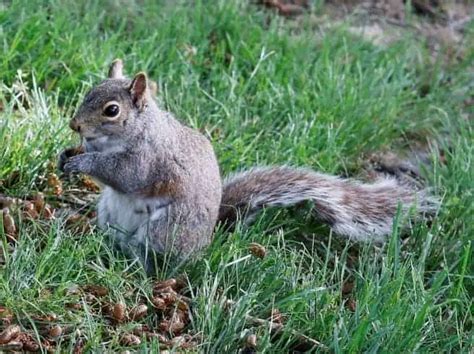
(67, 154)
(77, 164)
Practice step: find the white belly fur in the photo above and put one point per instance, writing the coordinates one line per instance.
(126, 214)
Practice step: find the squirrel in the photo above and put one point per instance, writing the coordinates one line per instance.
(163, 189)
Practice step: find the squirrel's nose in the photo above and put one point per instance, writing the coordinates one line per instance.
(74, 125)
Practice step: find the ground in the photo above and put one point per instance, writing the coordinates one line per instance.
(319, 90)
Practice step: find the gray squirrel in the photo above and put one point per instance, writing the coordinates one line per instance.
(163, 190)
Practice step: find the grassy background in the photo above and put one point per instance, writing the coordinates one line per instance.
(266, 92)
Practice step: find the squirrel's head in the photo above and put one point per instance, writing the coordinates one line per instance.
(111, 109)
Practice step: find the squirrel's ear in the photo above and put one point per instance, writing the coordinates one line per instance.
(116, 69)
(138, 90)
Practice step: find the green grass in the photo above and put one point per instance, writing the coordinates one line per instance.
(266, 92)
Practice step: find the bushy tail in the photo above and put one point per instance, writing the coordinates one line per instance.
(351, 208)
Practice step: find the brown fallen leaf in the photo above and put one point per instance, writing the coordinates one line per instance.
(257, 250)
(9, 333)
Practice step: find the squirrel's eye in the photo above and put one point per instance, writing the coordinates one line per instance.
(112, 110)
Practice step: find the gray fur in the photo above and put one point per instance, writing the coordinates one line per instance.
(163, 188)
(146, 158)
(351, 208)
